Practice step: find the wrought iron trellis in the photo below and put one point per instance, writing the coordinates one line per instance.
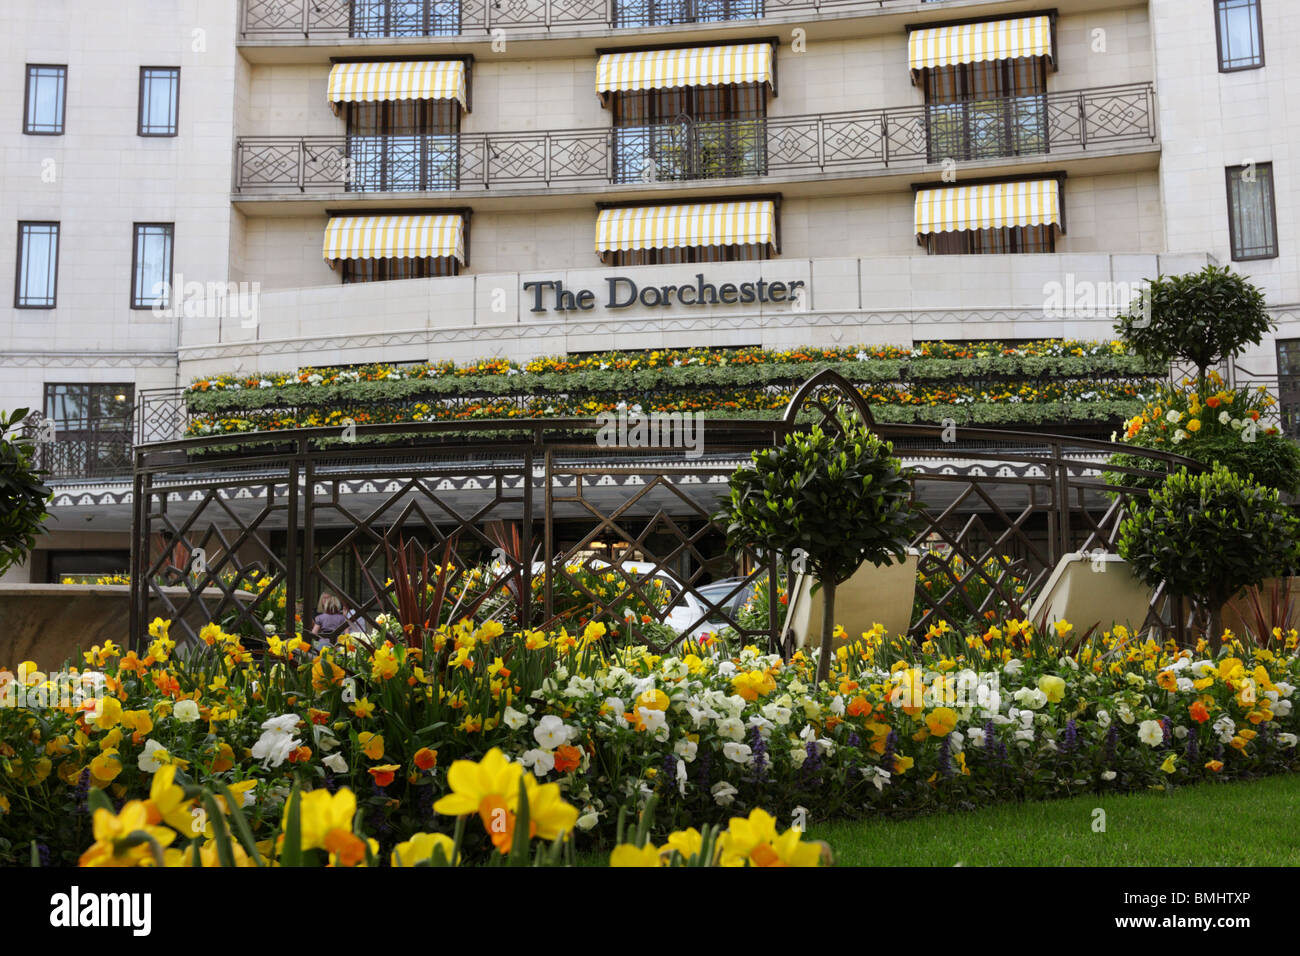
(274, 513)
(840, 142)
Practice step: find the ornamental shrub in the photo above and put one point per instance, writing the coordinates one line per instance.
(1200, 317)
(23, 496)
(837, 499)
(1207, 536)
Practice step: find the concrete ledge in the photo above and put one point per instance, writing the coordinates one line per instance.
(52, 623)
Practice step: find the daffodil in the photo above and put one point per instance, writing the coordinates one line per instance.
(420, 849)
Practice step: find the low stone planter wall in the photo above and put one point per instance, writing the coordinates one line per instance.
(53, 623)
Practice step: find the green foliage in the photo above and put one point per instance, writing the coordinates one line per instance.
(841, 500)
(23, 496)
(1207, 536)
(1200, 317)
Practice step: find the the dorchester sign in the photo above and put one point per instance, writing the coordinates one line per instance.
(620, 292)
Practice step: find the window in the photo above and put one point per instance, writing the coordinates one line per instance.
(690, 132)
(381, 270)
(160, 100)
(92, 426)
(684, 254)
(1252, 216)
(399, 145)
(1009, 239)
(405, 18)
(1288, 385)
(658, 13)
(1239, 26)
(151, 265)
(988, 109)
(38, 265)
(45, 100)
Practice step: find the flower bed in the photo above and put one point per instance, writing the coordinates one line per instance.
(984, 382)
(961, 719)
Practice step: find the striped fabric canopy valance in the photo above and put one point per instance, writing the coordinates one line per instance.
(397, 80)
(690, 66)
(395, 237)
(989, 206)
(688, 224)
(976, 42)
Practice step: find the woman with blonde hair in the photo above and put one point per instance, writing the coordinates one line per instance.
(330, 616)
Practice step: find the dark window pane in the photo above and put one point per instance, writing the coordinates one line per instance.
(38, 265)
(1288, 385)
(382, 270)
(1014, 239)
(46, 96)
(1241, 41)
(92, 428)
(405, 145)
(405, 18)
(988, 109)
(651, 13)
(152, 275)
(1251, 213)
(159, 100)
(703, 132)
(679, 255)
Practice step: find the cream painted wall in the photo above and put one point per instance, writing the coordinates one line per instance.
(1212, 120)
(106, 178)
(831, 76)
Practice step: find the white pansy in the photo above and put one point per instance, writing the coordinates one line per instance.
(284, 724)
(149, 761)
(686, 749)
(552, 732)
(186, 711)
(763, 724)
(1180, 732)
(837, 705)
(588, 819)
(1151, 733)
(1224, 728)
(976, 736)
(724, 794)
(1282, 708)
(336, 763)
(1013, 667)
(777, 714)
(654, 721)
(324, 738)
(1108, 775)
(731, 728)
(514, 719)
(876, 776)
(1287, 740)
(539, 761)
(740, 753)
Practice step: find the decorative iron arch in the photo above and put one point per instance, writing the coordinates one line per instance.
(827, 392)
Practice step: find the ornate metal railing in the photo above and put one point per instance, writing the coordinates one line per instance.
(289, 510)
(858, 140)
(291, 19)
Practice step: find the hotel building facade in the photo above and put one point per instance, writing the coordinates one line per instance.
(255, 186)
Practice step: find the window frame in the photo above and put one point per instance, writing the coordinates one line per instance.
(27, 99)
(1218, 37)
(18, 263)
(176, 116)
(349, 272)
(1233, 227)
(134, 301)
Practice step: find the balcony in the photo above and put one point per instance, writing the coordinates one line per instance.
(377, 19)
(104, 455)
(839, 144)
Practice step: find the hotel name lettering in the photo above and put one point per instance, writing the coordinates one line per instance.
(621, 292)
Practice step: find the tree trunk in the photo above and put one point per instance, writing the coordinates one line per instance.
(828, 630)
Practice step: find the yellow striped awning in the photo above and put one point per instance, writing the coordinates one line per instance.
(689, 66)
(990, 206)
(398, 80)
(688, 224)
(976, 42)
(395, 237)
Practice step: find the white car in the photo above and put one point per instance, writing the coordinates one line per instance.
(688, 614)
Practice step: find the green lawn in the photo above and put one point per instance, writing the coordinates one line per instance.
(1250, 823)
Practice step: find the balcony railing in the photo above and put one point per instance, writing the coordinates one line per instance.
(848, 142)
(361, 19)
(104, 456)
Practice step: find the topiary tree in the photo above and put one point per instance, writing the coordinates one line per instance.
(1207, 536)
(1200, 317)
(23, 496)
(835, 500)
